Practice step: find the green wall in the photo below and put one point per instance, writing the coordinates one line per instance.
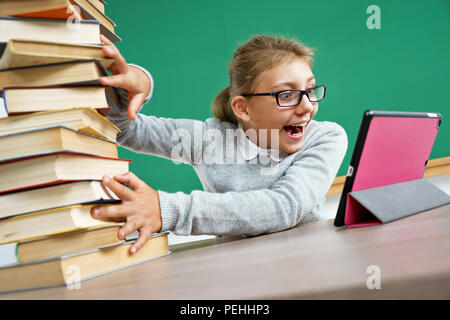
(187, 45)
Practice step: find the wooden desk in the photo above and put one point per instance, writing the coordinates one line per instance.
(311, 261)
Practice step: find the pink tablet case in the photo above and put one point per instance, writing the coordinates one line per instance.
(396, 150)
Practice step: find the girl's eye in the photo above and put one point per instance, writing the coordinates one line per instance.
(285, 95)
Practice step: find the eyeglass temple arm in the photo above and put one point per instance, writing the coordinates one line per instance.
(259, 94)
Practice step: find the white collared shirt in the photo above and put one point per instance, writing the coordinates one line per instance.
(249, 150)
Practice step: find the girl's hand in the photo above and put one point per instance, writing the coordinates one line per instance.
(139, 207)
(130, 78)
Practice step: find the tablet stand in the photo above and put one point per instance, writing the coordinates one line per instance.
(392, 202)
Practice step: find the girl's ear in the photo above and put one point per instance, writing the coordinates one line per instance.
(239, 104)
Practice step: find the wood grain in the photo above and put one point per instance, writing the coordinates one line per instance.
(310, 261)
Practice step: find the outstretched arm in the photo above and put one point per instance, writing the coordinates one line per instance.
(295, 198)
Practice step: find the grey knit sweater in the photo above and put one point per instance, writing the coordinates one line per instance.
(246, 191)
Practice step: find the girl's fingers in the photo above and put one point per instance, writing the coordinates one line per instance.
(105, 40)
(134, 104)
(111, 51)
(144, 235)
(130, 226)
(119, 189)
(112, 68)
(120, 69)
(108, 212)
(132, 180)
(118, 80)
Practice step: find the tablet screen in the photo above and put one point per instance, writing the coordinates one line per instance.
(391, 147)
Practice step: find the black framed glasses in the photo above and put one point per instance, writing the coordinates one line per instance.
(291, 97)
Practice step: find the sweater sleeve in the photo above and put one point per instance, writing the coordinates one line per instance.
(176, 139)
(293, 199)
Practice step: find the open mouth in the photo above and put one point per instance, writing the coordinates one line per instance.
(295, 131)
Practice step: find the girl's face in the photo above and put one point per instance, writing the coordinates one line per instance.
(263, 112)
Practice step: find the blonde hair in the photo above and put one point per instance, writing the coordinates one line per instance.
(260, 53)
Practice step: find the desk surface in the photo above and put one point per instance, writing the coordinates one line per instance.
(311, 261)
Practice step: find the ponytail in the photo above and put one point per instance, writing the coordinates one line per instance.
(221, 107)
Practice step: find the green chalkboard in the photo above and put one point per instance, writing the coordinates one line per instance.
(187, 45)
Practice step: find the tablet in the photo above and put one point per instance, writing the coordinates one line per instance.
(391, 147)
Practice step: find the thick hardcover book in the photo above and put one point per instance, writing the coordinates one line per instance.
(55, 196)
(67, 243)
(83, 119)
(65, 30)
(48, 222)
(80, 72)
(53, 139)
(72, 269)
(19, 100)
(22, 53)
(53, 168)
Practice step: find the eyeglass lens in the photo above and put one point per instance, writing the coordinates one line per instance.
(289, 98)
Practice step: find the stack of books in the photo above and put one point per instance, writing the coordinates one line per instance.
(56, 145)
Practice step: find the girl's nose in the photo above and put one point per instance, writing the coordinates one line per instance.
(305, 106)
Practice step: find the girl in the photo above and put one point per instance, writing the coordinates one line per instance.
(270, 178)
